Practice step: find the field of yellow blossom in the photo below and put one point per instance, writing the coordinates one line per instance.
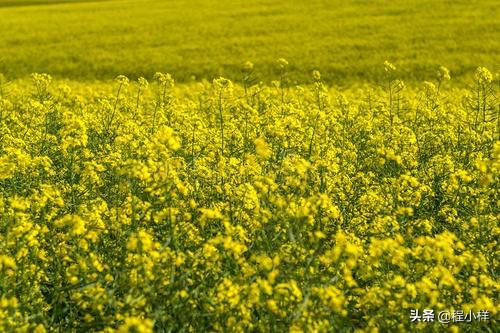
(138, 206)
(346, 39)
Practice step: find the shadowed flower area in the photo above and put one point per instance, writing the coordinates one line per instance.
(21, 3)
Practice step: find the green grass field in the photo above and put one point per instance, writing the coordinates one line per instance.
(346, 40)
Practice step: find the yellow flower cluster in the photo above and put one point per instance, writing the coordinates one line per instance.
(137, 207)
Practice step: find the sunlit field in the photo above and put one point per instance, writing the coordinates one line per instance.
(346, 40)
(345, 179)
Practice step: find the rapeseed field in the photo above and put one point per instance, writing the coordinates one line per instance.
(205, 39)
(238, 206)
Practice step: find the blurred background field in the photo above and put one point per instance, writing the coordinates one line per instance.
(347, 40)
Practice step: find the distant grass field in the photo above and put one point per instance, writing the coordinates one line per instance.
(346, 40)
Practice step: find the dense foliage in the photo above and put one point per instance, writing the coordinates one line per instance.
(241, 207)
